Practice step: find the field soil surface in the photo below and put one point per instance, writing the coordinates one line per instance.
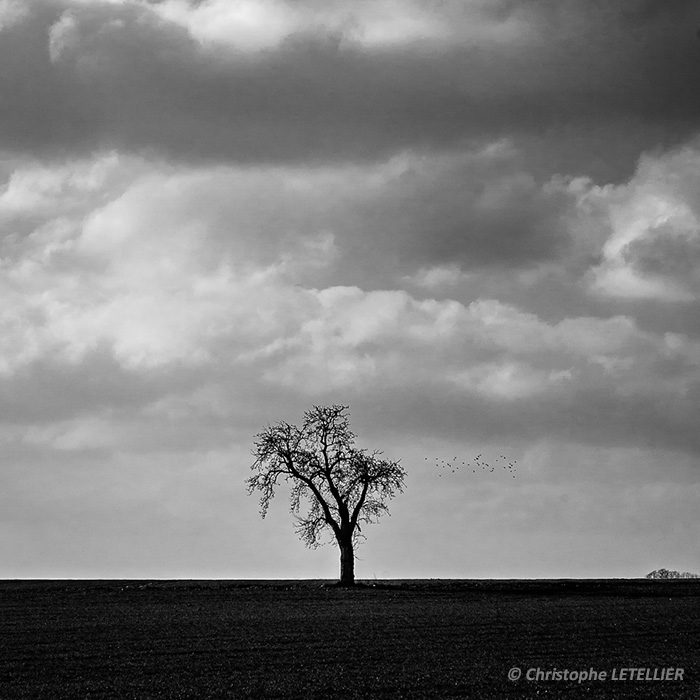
(173, 640)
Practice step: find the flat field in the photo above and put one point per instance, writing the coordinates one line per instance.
(307, 639)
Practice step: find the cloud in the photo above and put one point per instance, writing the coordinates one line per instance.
(155, 271)
(653, 222)
(145, 77)
(470, 209)
(105, 253)
(245, 25)
(36, 191)
(254, 26)
(373, 223)
(370, 339)
(11, 12)
(436, 277)
(64, 35)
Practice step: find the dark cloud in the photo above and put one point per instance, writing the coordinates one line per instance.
(48, 390)
(595, 417)
(472, 218)
(662, 251)
(43, 110)
(124, 78)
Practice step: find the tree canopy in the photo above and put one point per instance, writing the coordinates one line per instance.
(335, 486)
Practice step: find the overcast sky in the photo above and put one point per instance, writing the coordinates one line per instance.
(476, 222)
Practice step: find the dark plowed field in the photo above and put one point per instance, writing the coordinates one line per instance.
(418, 639)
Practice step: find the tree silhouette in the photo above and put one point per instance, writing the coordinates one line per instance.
(338, 485)
(665, 574)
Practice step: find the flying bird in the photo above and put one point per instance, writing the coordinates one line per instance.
(454, 464)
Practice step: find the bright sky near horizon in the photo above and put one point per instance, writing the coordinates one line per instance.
(475, 222)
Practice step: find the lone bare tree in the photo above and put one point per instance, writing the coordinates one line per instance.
(339, 485)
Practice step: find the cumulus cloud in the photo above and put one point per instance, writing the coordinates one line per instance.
(653, 224)
(134, 259)
(368, 340)
(217, 270)
(37, 191)
(374, 222)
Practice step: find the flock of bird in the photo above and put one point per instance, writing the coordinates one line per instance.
(477, 463)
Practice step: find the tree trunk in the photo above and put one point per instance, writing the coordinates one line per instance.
(347, 562)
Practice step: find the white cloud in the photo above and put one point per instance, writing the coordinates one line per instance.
(244, 24)
(388, 338)
(63, 35)
(253, 25)
(207, 266)
(37, 189)
(653, 247)
(11, 12)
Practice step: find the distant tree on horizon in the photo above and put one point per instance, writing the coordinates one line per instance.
(666, 574)
(338, 485)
